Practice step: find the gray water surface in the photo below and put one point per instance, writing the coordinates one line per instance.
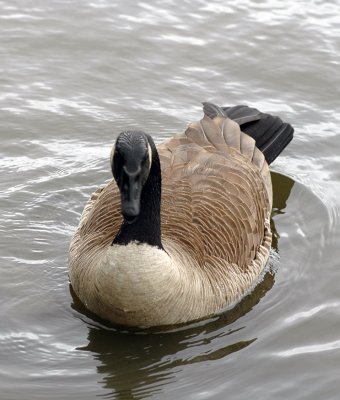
(75, 74)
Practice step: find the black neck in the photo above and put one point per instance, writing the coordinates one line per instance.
(147, 226)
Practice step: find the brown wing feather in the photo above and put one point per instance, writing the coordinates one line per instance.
(216, 188)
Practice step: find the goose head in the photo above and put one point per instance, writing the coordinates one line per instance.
(136, 169)
(131, 163)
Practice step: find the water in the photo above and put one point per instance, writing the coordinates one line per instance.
(73, 75)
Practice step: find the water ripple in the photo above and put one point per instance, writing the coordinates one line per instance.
(316, 348)
(76, 76)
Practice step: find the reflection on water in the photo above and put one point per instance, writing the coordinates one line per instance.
(135, 364)
(282, 186)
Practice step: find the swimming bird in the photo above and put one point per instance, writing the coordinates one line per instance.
(182, 231)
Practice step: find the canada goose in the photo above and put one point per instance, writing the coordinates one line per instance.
(182, 232)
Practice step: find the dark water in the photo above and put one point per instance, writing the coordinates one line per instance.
(73, 75)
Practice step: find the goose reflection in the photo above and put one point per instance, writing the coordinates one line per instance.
(134, 365)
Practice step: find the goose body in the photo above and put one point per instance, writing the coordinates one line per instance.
(197, 239)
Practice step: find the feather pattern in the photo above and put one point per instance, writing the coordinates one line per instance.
(215, 211)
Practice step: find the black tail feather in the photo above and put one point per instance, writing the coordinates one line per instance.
(271, 134)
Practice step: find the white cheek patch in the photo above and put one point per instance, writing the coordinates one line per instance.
(112, 153)
(150, 156)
